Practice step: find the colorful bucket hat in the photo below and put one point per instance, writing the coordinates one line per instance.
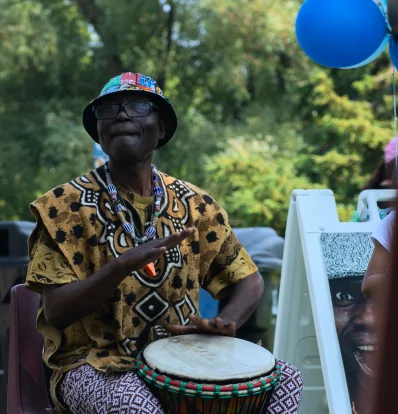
(132, 82)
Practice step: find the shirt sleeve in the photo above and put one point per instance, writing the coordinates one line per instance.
(231, 264)
(47, 266)
(383, 233)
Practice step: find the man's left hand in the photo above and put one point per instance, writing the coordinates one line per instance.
(213, 326)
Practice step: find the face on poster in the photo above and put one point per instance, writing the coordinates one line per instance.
(356, 330)
(347, 256)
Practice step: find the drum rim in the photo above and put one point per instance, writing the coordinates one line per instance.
(153, 351)
(190, 388)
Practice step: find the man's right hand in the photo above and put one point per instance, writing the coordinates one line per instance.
(137, 257)
(67, 303)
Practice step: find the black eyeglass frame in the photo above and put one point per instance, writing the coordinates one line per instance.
(151, 106)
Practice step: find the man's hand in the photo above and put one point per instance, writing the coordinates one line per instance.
(374, 285)
(137, 257)
(214, 326)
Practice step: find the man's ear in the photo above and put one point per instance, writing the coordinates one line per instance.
(162, 128)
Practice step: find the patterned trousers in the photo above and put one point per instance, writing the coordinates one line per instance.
(87, 391)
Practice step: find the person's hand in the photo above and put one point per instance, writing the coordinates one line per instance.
(374, 285)
(214, 326)
(137, 257)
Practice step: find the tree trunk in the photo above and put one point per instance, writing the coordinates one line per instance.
(169, 39)
(93, 16)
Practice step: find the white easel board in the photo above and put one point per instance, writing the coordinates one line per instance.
(305, 330)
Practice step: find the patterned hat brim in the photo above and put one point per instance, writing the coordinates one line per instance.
(165, 108)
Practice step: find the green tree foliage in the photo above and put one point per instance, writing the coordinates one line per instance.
(254, 182)
(256, 117)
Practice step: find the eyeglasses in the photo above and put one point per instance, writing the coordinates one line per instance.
(132, 109)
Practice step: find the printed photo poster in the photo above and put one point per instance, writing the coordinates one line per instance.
(346, 258)
(99, 156)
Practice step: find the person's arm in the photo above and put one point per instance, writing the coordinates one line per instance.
(243, 298)
(65, 304)
(376, 273)
(70, 302)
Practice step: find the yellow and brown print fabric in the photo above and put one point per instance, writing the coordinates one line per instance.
(78, 232)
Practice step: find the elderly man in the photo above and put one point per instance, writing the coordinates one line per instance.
(119, 255)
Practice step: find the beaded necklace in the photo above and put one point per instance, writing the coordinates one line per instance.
(116, 202)
(129, 228)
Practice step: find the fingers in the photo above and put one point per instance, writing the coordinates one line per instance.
(150, 256)
(140, 256)
(154, 254)
(175, 238)
(230, 329)
(203, 324)
(220, 325)
(181, 329)
(216, 326)
(195, 319)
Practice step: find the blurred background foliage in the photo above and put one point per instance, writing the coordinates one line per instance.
(256, 117)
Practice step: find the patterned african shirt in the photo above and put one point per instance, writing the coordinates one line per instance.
(78, 232)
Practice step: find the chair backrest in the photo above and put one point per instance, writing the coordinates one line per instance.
(26, 383)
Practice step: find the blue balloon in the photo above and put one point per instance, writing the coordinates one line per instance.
(375, 55)
(383, 7)
(340, 33)
(394, 50)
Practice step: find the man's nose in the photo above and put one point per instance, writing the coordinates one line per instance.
(122, 114)
(366, 315)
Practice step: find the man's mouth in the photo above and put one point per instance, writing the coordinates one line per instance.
(363, 348)
(365, 356)
(124, 133)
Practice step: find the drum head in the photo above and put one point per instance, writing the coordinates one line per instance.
(208, 358)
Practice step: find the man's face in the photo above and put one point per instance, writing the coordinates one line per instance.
(129, 139)
(356, 328)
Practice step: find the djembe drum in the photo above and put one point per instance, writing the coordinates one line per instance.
(194, 374)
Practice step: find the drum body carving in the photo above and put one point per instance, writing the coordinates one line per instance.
(204, 374)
